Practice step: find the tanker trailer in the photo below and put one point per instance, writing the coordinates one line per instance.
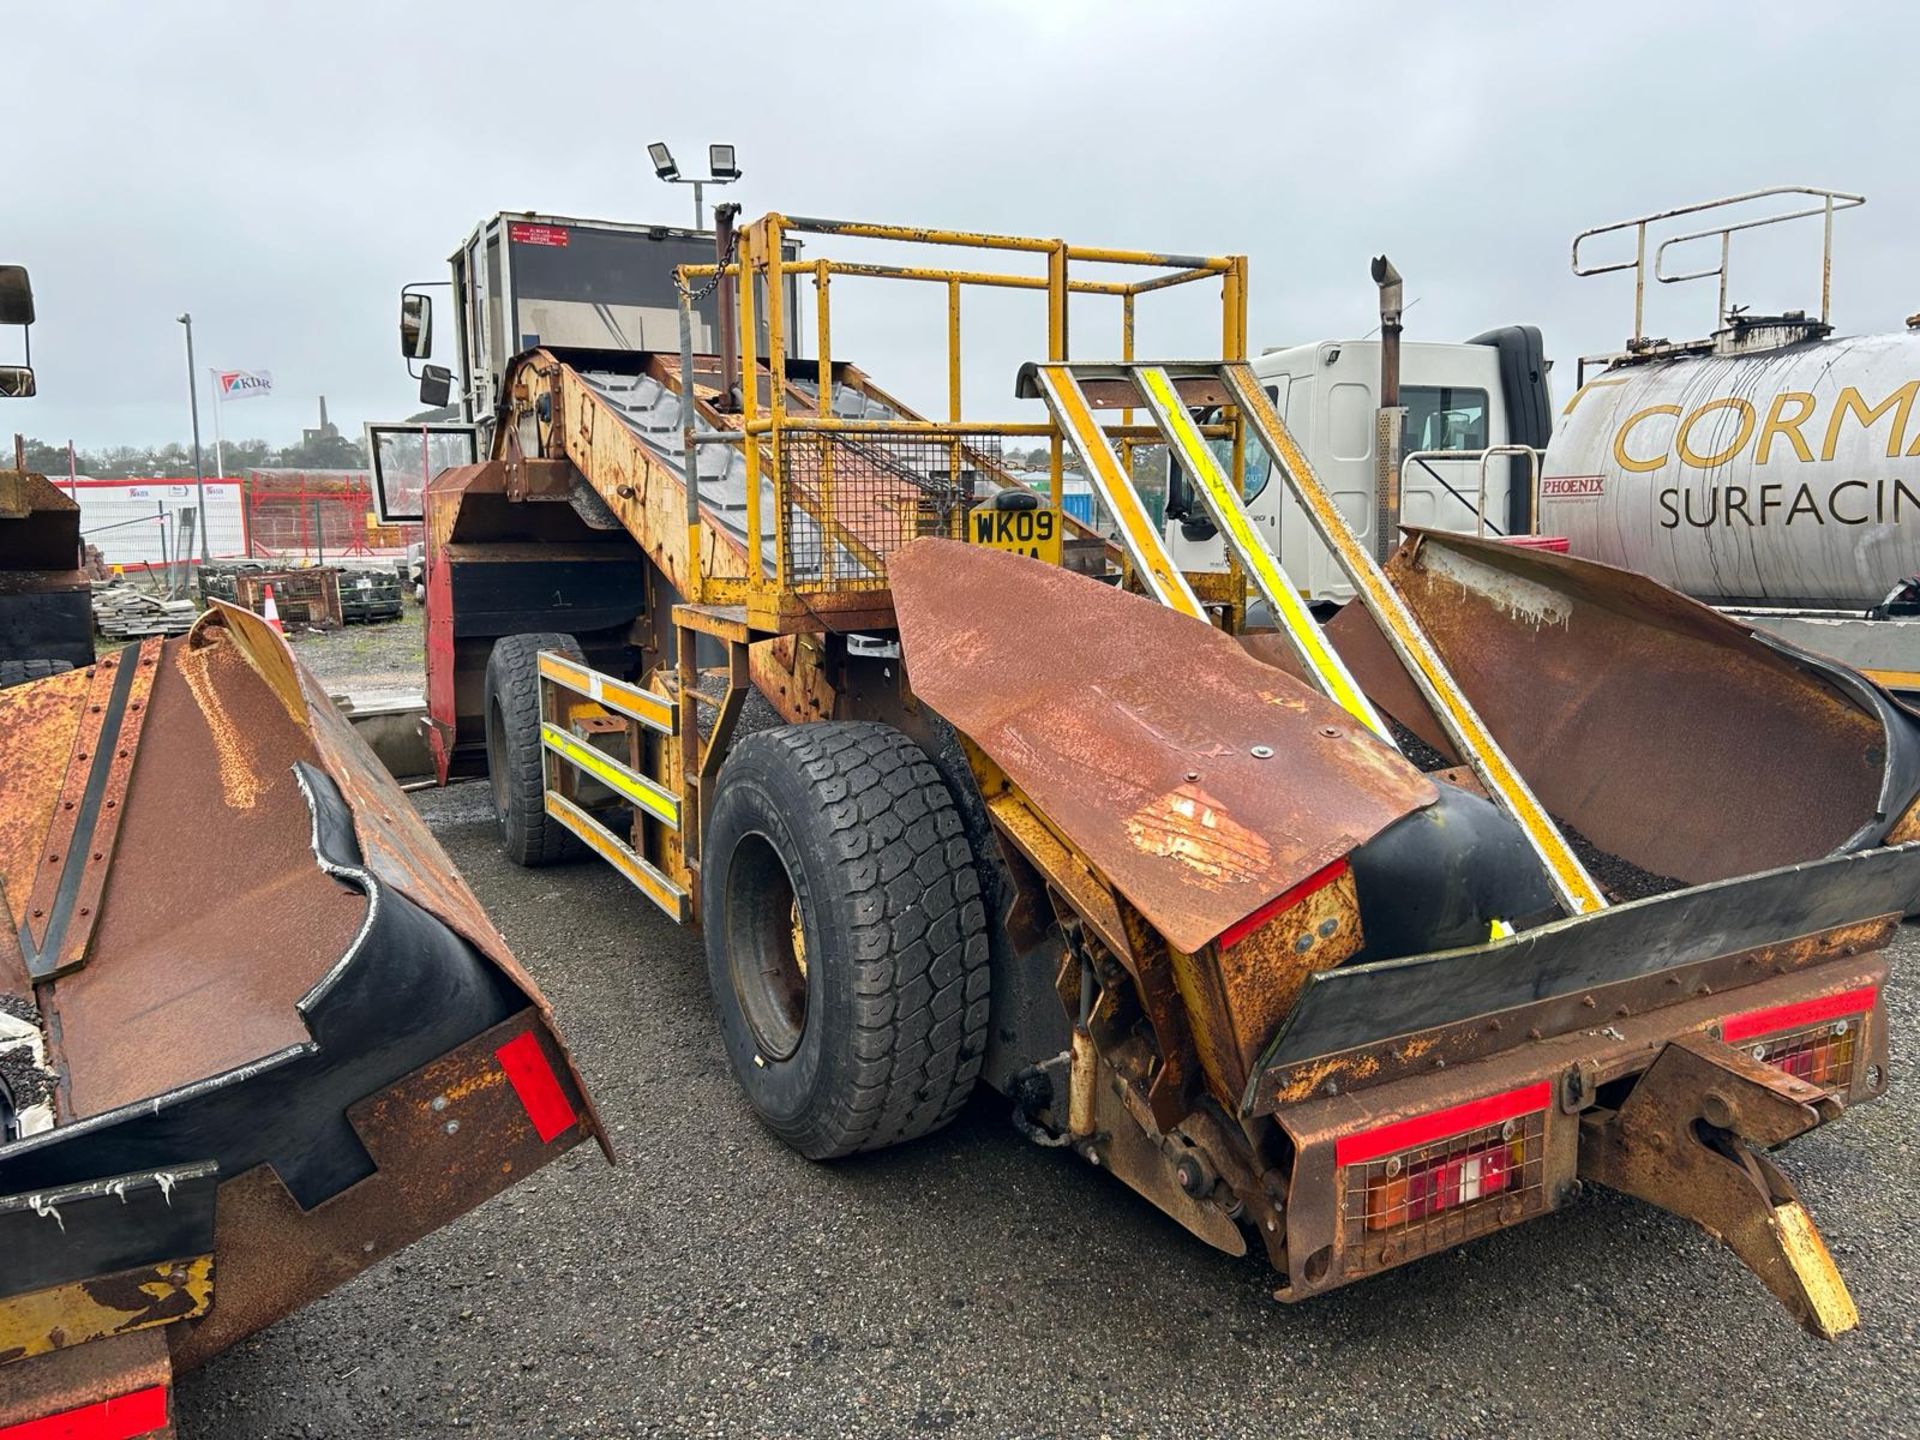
(1771, 469)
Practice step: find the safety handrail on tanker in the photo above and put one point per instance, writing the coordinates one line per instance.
(1483, 456)
(1830, 202)
(758, 254)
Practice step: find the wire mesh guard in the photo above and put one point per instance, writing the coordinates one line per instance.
(1820, 1054)
(1402, 1206)
(848, 501)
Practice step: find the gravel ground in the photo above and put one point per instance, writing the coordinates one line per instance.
(973, 1285)
(388, 656)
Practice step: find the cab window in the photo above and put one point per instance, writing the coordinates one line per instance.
(1444, 417)
(1259, 463)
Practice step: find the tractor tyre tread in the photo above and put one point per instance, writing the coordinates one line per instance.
(528, 835)
(898, 900)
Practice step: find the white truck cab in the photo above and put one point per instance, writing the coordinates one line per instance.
(1457, 399)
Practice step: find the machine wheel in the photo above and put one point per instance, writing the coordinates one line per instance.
(846, 936)
(527, 833)
(19, 672)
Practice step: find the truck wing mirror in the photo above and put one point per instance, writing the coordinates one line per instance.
(16, 296)
(1180, 497)
(16, 382)
(436, 385)
(1179, 493)
(416, 325)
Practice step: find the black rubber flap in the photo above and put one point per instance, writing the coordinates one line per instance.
(408, 991)
(1362, 1004)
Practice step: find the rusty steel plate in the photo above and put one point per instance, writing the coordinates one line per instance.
(214, 857)
(1136, 731)
(443, 1139)
(1661, 730)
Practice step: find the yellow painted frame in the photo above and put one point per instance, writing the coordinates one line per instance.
(757, 276)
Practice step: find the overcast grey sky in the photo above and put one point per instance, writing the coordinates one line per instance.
(281, 170)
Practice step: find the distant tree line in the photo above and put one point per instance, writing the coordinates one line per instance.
(320, 452)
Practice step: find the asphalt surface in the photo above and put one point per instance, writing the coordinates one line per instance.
(971, 1284)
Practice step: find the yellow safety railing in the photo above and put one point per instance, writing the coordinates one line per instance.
(757, 277)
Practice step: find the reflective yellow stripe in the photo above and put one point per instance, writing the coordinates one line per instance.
(1150, 558)
(1569, 877)
(661, 803)
(611, 848)
(633, 701)
(1230, 513)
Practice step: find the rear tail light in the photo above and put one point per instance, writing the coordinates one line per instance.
(1422, 1183)
(1816, 1041)
(1435, 1185)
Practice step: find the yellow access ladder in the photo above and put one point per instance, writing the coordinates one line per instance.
(1163, 391)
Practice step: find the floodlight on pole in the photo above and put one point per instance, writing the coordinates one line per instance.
(723, 169)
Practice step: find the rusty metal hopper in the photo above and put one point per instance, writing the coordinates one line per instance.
(46, 600)
(1201, 784)
(255, 1032)
(1668, 735)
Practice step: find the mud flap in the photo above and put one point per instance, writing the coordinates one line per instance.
(1688, 1139)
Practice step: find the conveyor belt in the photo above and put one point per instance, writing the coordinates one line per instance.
(879, 490)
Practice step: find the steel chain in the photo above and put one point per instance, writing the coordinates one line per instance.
(694, 297)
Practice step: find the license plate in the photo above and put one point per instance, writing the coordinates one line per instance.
(1034, 533)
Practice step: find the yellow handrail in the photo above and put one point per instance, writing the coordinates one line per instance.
(758, 274)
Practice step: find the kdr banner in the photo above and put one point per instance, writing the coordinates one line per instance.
(243, 384)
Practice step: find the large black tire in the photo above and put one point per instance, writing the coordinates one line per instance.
(846, 936)
(19, 672)
(527, 833)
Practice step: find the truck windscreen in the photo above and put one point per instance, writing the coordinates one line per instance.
(603, 289)
(578, 285)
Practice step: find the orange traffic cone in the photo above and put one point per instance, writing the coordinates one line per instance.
(270, 612)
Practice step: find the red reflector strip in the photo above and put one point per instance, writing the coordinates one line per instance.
(1797, 1015)
(1420, 1130)
(122, 1418)
(535, 1083)
(1280, 904)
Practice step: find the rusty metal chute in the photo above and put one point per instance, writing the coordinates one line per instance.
(1201, 783)
(255, 1032)
(1665, 733)
(1087, 708)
